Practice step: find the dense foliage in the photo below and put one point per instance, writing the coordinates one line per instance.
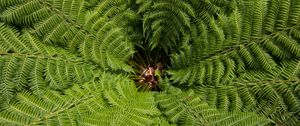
(217, 62)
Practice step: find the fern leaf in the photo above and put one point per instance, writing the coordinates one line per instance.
(294, 12)
(288, 43)
(283, 14)
(63, 20)
(272, 15)
(10, 40)
(258, 16)
(25, 12)
(187, 109)
(7, 74)
(67, 62)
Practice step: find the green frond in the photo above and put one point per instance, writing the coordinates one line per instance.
(57, 25)
(162, 121)
(247, 93)
(182, 59)
(9, 40)
(39, 73)
(259, 12)
(247, 20)
(144, 6)
(294, 12)
(218, 32)
(295, 33)
(66, 24)
(73, 8)
(27, 63)
(189, 9)
(283, 14)
(275, 51)
(235, 25)
(230, 68)
(239, 38)
(113, 51)
(181, 76)
(24, 13)
(290, 69)
(265, 61)
(6, 83)
(125, 106)
(208, 71)
(185, 108)
(171, 18)
(213, 62)
(218, 71)
(247, 96)
(19, 112)
(288, 43)
(240, 65)
(74, 107)
(271, 16)
(214, 38)
(9, 3)
(105, 9)
(205, 9)
(52, 109)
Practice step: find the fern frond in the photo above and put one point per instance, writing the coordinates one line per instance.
(186, 108)
(166, 17)
(219, 71)
(52, 109)
(247, 22)
(67, 62)
(181, 76)
(259, 9)
(27, 63)
(235, 25)
(246, 41)
(275, 50)
(271, 15)
(4, 4)
(144, 6)
(162, 121)
(294, 12)
(250, 91)
(125, 106)
(290, 69)
(263, 59)
(283, 14)
(76, 105)
(67, 22)
(30, 71)
(288, 42)
(24, 13)
(9, 40)
(7, 85)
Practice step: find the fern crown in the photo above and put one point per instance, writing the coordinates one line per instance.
(150, 62)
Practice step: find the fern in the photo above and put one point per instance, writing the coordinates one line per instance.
(90, 104)
(91, 62)
(63, 24)
(271, 94)
(185, 108)
(249, 47)
(26, 62)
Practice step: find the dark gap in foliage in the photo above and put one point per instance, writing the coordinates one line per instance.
(148, 67)
(10, 51)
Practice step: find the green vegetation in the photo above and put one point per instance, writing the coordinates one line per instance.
(150, 62)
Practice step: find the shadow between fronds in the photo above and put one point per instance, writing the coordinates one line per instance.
(148, 65)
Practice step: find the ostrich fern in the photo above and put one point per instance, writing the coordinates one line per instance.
(150, 62)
